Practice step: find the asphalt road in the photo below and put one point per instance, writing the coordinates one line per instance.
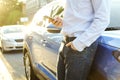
(11, 66)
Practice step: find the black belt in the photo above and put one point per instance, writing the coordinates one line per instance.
(68, 39)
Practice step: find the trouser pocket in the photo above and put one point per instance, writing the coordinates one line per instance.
(66, 51)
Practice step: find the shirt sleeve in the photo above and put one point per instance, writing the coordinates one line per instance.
(100, 22)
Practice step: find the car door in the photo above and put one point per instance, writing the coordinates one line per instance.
(51, 43)
(45, 47)
(106, 65)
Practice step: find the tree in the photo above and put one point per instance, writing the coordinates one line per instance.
(10, 11)
(13, 17)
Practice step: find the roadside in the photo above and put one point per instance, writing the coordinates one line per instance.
(4, 73)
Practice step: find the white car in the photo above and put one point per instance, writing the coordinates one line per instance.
(11, 37)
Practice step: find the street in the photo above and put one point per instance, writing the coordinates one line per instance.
(11, 66)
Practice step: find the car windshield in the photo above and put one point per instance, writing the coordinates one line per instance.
(12, 30)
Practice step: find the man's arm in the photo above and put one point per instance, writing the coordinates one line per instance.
(100, 22)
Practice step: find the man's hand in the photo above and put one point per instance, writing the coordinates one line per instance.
(57, 22)
(70, 44)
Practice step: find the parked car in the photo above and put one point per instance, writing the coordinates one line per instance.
(41, 48)
(11, 37)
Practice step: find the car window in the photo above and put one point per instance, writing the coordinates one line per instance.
(115, 14)
(56, 9)
(12, 30)
(53, 9)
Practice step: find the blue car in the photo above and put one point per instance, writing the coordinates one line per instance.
(41, 47)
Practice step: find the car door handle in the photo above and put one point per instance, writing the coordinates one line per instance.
(116, 55)
(43, 41)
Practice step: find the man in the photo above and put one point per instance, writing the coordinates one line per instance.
(82, 24)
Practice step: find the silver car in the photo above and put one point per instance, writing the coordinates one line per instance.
(11, 37)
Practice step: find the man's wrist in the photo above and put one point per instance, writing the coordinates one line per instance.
(78, 45)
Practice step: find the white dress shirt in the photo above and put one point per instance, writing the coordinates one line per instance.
(85, 20)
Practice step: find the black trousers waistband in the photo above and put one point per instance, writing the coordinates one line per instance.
(68, 39)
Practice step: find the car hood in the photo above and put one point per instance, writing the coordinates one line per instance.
(14, 36)
(111, 38)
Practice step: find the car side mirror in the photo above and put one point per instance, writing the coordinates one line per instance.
(52, 29)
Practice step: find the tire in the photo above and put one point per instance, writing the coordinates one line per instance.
(2, 49)
(28, 68)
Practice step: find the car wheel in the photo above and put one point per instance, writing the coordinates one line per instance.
(2, 48)
(3, 51)
(28, 68)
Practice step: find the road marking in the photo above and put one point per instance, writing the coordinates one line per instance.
(4, 73)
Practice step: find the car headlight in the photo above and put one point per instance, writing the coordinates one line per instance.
(7, 40)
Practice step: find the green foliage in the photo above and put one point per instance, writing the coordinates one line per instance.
(13, 17)
(57, 11)
(10, 11)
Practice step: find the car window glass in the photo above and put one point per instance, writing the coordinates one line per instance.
(12, 30)
(115, 14)
(53, 9)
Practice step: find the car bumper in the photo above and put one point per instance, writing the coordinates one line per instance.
(13, 46)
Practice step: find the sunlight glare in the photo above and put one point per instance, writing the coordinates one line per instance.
(24, 1)
(4, 74)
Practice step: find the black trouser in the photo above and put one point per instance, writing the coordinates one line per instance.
(74, 65)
